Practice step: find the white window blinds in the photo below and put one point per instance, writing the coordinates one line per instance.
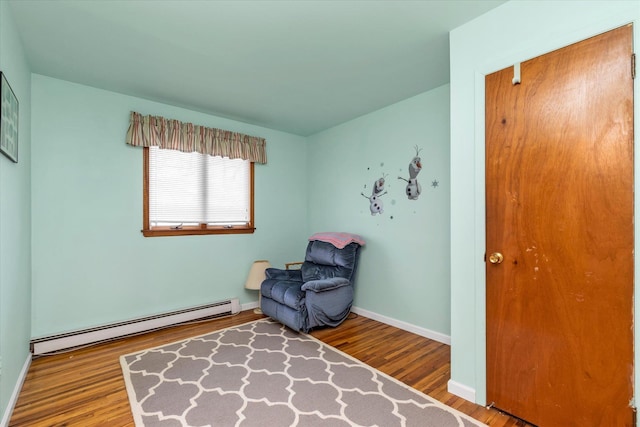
(193, 188)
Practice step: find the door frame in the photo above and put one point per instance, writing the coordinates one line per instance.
(474, 389)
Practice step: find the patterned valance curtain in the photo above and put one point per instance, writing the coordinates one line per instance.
(148, 131)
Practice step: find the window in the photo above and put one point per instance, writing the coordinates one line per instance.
(193, 193)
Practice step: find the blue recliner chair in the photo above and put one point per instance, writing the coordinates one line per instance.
(320, 293)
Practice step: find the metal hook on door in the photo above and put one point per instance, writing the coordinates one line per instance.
(516, 73)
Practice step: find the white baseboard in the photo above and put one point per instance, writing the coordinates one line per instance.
(76, 338)
(461, 390)
(249, 306)
(423, 332)
(16, 392)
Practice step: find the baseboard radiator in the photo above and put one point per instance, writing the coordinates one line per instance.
(68, 340)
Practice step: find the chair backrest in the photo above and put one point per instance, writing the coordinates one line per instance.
(324, 261)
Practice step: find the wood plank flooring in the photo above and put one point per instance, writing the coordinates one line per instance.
(85, 387)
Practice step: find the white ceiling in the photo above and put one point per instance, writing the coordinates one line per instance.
(297, 66)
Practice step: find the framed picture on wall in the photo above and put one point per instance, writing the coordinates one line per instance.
(8, 120)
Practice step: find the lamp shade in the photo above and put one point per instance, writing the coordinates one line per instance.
(256, 274)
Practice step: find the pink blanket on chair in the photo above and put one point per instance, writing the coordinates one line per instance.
(339, 240)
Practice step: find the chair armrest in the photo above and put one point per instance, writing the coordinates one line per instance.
(325, 284)
(276, 273)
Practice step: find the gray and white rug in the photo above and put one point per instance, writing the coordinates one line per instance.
(263, 374)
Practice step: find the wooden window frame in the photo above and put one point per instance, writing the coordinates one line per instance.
(202, 229)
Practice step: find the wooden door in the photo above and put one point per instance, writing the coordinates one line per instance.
(559, 197)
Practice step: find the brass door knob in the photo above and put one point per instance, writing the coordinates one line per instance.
(496, 258)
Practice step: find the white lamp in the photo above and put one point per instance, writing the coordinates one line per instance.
(255, 278)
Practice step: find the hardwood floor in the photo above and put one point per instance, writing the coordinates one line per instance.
(85, 387)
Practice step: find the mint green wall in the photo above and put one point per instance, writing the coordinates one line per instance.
(404, 267)
(513, 32)
(91, 264)
(15, 220)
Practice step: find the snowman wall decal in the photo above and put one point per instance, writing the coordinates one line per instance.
(413, 189)
(375, 203)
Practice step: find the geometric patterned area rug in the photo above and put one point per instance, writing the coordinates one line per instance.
(263, 374)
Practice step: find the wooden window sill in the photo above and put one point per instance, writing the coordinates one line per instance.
(193, 231)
